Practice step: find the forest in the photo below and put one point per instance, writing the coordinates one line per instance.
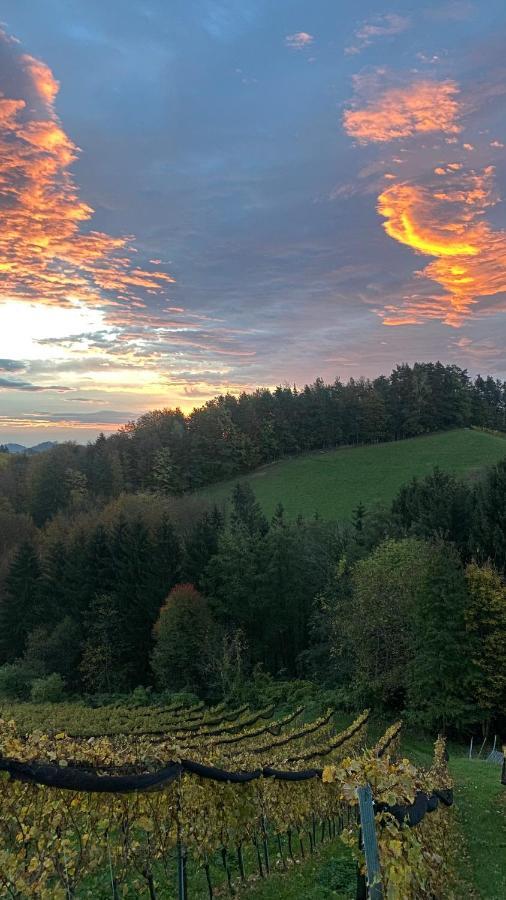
(116, 575)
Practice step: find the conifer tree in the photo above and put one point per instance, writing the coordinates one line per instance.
(201, 545)
(246, 511)
(20, 602)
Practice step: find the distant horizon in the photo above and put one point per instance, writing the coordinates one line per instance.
(214, 196)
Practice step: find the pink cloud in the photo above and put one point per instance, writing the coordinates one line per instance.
(299, 41)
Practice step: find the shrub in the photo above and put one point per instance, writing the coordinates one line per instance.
(180, 698)
(15, 681)
(50, 689)
(140, 696)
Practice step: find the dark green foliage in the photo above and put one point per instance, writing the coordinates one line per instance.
(19, 603)
(55, 650)
(15, 681)
(49, 689)
(103, 668)
(441, 672)
(264, 582)
(246, 511)
(488, 525)
(486, 628)
(144, 570)
(379, 611)
(166, 560)
(56, 481)
(377, 624)
(166, 476)
(438, 506)
(185, 641)
(201, 544)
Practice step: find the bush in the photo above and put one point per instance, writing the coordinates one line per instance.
(140, 696)
(15, 681)
(50, 689)
(180, 698)
(262, 689)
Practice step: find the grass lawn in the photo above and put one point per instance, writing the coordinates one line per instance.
(330, 873)
(334, 482)
(481, 808)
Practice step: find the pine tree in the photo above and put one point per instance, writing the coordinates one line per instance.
(20, 603)
(53, 588)
(167, 478)
(166, 561)
(201, 545)
(246, 511)
(131, 595)
(358, 517)
(488, 531)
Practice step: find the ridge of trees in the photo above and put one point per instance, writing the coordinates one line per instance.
(166, 451)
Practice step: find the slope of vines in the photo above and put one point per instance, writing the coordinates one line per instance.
(133, 808)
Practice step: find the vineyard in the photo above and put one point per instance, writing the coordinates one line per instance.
(174, 802)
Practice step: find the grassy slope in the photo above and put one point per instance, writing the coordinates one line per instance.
(481, 807)
(332, 483)
(331, 873)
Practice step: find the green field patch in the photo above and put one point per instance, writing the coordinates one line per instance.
(332, 483)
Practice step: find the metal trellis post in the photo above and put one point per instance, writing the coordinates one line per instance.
(370, 843)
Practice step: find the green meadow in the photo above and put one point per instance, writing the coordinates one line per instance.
(332, 483)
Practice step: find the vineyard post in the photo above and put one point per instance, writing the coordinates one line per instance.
(182, 884)
(370, 843)
(181, 871)
(503, 773)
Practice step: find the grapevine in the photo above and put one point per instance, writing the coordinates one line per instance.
(212, 796)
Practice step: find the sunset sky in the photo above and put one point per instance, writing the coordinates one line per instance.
(209, 195)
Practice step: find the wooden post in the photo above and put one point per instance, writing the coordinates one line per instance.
(368, 828)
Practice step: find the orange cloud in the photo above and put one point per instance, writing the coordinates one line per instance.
(423, 107)
(43, 80)
(448, 224)
(45, 253)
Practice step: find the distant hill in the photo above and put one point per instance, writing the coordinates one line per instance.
(333, 483)
(38, 448)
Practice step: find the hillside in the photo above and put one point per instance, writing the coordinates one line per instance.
(38, 448)
(333, 483)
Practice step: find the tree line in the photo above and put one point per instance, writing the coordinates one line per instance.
(168, 452)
